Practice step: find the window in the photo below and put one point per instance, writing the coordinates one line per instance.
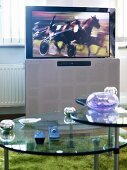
(12, 20)
(121, 21)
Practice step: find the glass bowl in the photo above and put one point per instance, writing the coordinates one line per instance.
(102, 101)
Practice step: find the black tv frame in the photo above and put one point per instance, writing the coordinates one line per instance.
(30, 9)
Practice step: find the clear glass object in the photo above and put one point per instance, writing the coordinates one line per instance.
(112, 90)
(7, 125)
(68, 111)
(7, 136)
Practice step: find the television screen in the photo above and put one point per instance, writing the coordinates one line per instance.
(64, 32)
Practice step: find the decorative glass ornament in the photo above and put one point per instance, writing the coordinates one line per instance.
(102, 101)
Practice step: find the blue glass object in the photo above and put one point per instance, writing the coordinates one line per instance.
(39, 137)
(102, 101)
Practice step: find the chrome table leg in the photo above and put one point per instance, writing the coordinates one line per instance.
(6, 160)
(116, 152)
(71, 143)
(96, 162)
(96, 142)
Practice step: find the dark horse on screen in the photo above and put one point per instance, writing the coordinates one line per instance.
(71, 33)
(78, 32)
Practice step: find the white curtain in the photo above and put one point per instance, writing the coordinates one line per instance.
(12, 20)
(121, 21)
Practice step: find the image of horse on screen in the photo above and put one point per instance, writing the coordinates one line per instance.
(70, 34)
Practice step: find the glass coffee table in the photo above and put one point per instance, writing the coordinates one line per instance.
(112, 119)
(75, 138)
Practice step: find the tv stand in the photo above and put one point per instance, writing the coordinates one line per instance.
(53, 84)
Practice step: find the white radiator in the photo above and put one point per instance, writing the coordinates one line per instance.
(12, 85)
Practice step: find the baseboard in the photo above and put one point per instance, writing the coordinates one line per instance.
(11, 112)
(11, 116)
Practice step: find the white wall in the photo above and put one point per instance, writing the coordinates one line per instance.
(12, 55)
(121, 53)
(93, 3)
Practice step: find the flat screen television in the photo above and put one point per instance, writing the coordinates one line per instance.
(69, 32)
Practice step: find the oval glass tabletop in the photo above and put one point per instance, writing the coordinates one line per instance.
(73, 138)
(81, 100)
(113, 118)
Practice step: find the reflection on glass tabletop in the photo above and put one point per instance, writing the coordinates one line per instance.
(114, 118)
